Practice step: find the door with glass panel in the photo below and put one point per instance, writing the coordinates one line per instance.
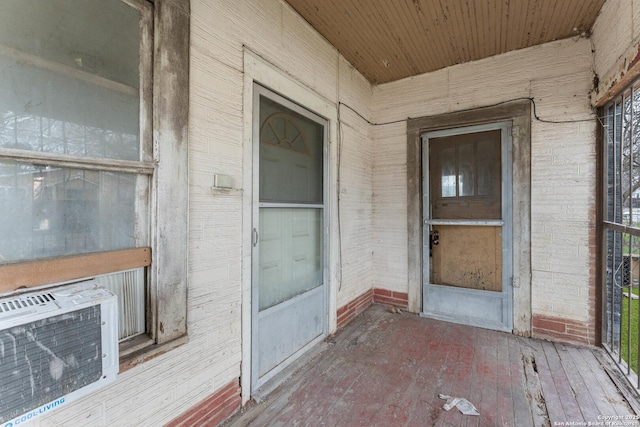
(289, 292)
(467, 226)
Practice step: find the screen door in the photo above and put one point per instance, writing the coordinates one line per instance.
(467, 226)
(289, 292)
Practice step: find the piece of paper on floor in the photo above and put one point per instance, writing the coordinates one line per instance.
(461, 403)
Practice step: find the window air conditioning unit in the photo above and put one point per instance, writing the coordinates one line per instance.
(56, 345)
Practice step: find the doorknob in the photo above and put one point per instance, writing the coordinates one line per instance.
(255, 237)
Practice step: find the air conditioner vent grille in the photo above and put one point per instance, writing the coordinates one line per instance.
(46, 359)
(24, 302)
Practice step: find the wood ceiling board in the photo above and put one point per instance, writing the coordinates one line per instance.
(427, 19)
(388, 40)
(403, 38)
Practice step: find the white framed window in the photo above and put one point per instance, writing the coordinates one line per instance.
(79, 178)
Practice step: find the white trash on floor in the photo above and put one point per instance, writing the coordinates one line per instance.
(461, 403)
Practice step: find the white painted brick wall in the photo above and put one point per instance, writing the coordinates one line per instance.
(558, 75)
(159, 390)
(356, 198)
(373, 184)
(390, 205)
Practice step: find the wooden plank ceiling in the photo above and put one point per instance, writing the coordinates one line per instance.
(388, 40)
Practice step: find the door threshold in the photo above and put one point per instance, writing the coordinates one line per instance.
(468, 321)
(263, 392)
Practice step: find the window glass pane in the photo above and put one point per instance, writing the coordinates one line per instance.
(291, 148)
(488, 167)
(48, 211)
(625, 165)
(614, 280)
(465, 176)
(448, 172)
(611, 170)
(635, 159)
(466, 171)
(70, 77)
(617, 159)
(290, 253)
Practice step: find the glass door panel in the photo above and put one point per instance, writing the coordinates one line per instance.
(465, 176)
(465, 185)
(291, 253)
(291, 156)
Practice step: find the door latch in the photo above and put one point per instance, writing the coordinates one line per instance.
(435, 238)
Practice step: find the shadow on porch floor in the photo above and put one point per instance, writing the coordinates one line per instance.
(386, 369)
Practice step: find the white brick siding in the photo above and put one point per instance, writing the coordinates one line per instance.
(558, 75)
(156, 391)
(373, 182)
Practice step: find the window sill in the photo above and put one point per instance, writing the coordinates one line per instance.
(141, 349)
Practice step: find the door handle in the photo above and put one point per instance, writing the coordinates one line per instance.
(255, 237)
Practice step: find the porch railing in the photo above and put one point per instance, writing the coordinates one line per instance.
(621, 231)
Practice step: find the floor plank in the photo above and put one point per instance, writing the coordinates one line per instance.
(504, 385)
(565, 395)
(572, 363)
(603, 391)
(523, 413)
(540, 365)
(386, 369)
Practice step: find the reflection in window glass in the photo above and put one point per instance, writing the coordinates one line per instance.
(466, 171)
(290, 253)
(291, 155)
(448, 174)
(488, 168)
(465, 176)
(67, 87)
(626, 154)
(70, 86)
(52, 211)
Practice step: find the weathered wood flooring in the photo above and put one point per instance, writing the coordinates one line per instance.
(386, 369)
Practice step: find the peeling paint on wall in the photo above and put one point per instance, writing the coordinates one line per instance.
(627, 70)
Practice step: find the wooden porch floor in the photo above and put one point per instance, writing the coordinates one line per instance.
(386, 369)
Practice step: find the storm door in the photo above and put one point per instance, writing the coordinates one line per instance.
(467, 226)
(289, 290)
